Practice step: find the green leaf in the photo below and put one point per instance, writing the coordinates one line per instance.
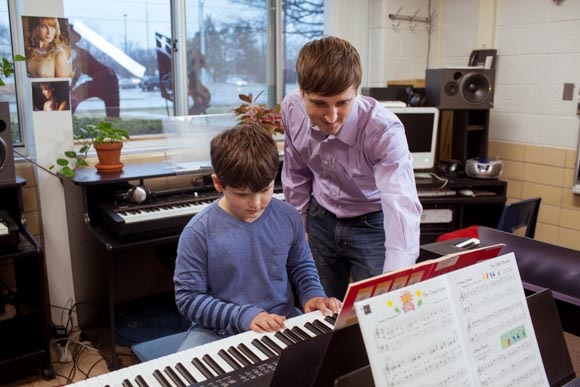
(82, 162)
(62, 162)
(71, 154)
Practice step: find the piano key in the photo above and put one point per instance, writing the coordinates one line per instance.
(239, 356)
(322, 326)
(229, 359)
(331, 319)
(254, 358)
(174, 377)
(202, 368)
(283, 338)
(270, 343)
(302, 333)
(163, 382)
(295, 338)
(213, 364)
(185, 373)
(313, 328)
(263, 348)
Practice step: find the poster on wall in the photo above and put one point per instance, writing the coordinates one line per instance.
(47, 47)
(50, 95)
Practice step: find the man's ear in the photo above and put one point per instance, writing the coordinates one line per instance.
(216, 183)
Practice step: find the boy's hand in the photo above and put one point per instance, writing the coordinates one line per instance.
(327, 305)
(266, 322)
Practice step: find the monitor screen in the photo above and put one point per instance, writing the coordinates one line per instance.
(421, 125)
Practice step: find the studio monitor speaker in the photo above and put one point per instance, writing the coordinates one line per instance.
(7, 172)
(470, 88)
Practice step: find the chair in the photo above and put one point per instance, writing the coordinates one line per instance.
(516, 216)
(521, 214)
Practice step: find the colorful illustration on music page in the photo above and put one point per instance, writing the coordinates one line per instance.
(513, 336)
(407, 301)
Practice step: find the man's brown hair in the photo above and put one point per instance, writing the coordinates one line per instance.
(245, 156)
(328, 66)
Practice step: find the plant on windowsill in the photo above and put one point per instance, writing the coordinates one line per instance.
(7, 67)
(108, 143)
(251, 112)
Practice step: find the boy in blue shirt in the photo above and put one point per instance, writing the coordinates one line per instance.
(241, 261)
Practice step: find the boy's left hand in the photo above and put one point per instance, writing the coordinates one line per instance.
(327, 305)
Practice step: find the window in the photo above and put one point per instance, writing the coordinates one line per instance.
(124, 54)
(8, 92)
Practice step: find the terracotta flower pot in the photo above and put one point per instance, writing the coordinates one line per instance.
(109, 154)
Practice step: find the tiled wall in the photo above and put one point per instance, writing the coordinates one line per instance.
(547, 172)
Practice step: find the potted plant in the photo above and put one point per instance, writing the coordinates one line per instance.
(105, 138)
(251, 112)
(7, 67)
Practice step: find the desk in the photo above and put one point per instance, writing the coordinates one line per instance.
(464, 211)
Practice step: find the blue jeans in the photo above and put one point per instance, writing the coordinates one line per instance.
(345, 249)
(198, 335)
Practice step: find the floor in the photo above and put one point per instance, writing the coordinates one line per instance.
(90, 363)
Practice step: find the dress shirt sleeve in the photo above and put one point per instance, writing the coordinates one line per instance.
(296, 176)
(393, 170)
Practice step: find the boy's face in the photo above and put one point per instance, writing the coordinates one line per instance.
(242, 202)
(329, 113)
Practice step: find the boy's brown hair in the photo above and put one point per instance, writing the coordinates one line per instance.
(245, 156)
(328, 66)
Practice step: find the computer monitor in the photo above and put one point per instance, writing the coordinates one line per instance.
(421, 126)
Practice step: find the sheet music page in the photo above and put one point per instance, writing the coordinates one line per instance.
(470, 327)
(497, 327)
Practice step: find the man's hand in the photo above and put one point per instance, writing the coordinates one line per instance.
(266, 322)
(327, 305)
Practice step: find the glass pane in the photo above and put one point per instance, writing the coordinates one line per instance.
(115, 63)
(227, 48)
(302, 21)
(8, 92)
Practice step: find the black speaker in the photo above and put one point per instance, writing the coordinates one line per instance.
(7, 170)
(460, 88)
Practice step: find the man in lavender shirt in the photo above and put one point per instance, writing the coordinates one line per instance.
(348, 170)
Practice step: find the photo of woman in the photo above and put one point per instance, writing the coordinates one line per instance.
(47, 50)
(50, 96)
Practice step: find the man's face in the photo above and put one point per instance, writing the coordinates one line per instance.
(242, 202)
(329, 113)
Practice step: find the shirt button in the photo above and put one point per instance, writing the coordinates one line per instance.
(334, 194)
(325, 162)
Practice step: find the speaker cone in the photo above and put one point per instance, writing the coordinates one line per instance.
(451, 88)
(2, 154)
(475, 88)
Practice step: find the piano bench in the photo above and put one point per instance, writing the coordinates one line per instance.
(156, 348)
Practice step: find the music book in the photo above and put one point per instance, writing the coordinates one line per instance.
(470, 327)
(386, 282)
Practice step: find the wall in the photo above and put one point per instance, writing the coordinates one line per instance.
(532, 129)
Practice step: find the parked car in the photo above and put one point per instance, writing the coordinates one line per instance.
(149, 82)
(129, 83)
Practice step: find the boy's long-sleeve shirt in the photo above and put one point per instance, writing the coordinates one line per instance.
(228, 271)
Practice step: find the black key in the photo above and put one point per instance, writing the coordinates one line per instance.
(141, 382)
(173, 376)
(280, 336)
(323, 327)
(301, 333)
(262, 347)
(161, 379)
(313, 329)
(214, 366)
(293, 336)
(239, 356)
(270, 343)
(127, 383)
(186, 374)
(246, 351)
(331, 319)
(202, 368)
(229, 359)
